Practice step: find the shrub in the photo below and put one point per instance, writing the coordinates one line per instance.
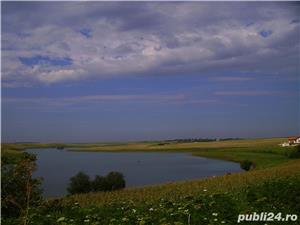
(115, 181)
(112, 181)
(100, 184)
(80, 183)
(246, 165)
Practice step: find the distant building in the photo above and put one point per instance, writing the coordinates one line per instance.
(294, 140)
(291, 141)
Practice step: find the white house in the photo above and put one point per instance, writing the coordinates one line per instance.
(294, 140)
(291, 141)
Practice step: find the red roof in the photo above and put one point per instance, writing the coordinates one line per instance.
(293, 138)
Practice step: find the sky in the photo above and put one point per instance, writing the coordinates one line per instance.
(132, 71)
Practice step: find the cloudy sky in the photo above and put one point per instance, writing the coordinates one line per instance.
(116, 71)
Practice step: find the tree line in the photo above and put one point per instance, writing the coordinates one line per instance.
(81, 183)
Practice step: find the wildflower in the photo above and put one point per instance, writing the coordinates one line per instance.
(86, 221)
(134, 210)
(216, 219)
(151, 209)
(215, 214)
(223, 221)
(60, 219)
(48, 216)
(204, 190)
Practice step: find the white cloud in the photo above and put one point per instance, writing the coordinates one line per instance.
(186, 40)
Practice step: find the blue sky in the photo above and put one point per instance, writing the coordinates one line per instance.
(119, 71)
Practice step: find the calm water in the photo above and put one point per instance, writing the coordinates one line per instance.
(139, 168)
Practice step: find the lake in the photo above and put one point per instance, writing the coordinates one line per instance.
(139, 168)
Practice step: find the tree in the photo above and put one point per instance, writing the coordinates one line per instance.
(100, 184)
(246, 165)
(80, 183)
(115, 180)
(19, 191)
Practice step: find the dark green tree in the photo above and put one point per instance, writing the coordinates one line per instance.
(80, 183)
(115, 180)
(19, 191)
(100, 184)
(246, 165)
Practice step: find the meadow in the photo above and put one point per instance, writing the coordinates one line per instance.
(273, 185)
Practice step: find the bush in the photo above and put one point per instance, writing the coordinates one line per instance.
(80, 183)
(246, 165)
(100, 184)
(115, 181)
(19, 190)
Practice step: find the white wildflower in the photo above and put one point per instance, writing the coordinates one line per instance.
(60, 219)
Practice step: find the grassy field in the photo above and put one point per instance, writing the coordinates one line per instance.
(272, 186)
